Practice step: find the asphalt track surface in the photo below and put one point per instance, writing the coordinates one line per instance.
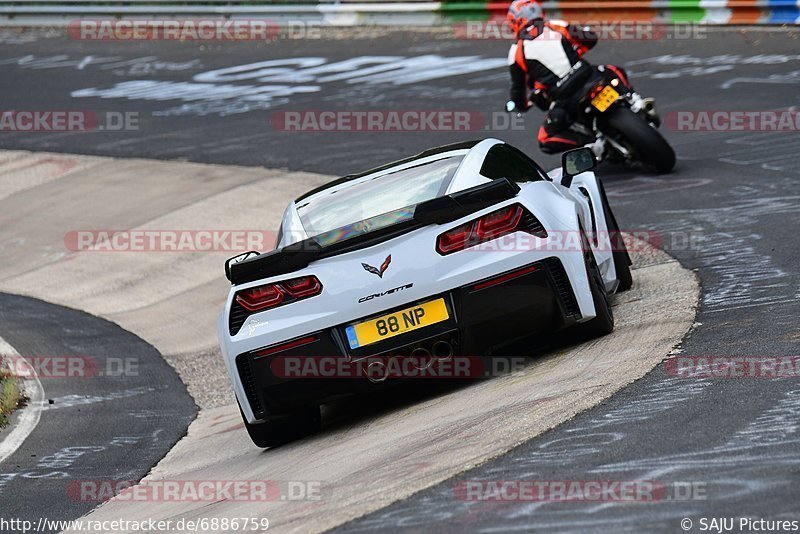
(112, 418)
(730, 211)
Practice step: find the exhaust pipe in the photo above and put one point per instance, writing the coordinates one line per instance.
(442, 350)
(376, 372)
(649, 108)
(423, 356)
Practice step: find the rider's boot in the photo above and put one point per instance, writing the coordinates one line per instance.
(598, 147)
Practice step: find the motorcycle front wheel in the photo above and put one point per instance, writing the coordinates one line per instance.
(643, 141)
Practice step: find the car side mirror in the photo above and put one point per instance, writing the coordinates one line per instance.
(238, 258)
(574, 162)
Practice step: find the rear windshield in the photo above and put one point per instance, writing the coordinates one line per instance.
(396, 193)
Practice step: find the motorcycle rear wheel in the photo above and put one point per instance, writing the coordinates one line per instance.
(645, 142)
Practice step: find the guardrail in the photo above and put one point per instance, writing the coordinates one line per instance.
(403, 12)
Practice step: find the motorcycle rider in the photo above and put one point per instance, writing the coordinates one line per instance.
(547, 59)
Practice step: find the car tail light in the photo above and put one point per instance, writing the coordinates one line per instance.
(491, 226)
(299, 288)
(455, 239)
(498, 223)
(260, 298)
(270, 295)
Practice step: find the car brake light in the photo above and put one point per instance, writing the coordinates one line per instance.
(260, 298)
(498, 223)
(302, 287)
(270, 295)
(455, 239)
(491, 226)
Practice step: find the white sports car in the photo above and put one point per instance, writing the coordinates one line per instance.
(454, 252)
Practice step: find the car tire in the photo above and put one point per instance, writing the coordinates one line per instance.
(622, 261)
(285, 429)
(603, 323)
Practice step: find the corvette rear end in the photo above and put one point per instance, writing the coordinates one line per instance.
(426, 258)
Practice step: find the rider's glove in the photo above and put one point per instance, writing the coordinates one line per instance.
(511, 107)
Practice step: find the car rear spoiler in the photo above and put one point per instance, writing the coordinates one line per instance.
(449, 208)
(252, 266)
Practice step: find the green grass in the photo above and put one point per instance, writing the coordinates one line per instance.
(9, 396)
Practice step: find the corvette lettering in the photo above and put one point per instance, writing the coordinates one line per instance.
(387, 292)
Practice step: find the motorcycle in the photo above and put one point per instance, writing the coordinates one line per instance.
(623, 123)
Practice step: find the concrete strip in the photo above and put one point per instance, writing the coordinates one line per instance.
(24, 421)
(369, 454)
(19, 171)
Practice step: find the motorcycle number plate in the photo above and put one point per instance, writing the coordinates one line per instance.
(607, 96)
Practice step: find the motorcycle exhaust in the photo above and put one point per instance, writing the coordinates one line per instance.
(442, 350)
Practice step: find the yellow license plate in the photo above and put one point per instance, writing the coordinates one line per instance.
(607, 96)
(399, 322)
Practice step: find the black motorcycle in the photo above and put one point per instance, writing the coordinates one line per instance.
(624, 124)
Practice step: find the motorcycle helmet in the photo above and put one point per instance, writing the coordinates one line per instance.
(523, 12)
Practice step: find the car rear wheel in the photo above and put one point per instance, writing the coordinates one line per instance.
(603, 323)
(285, 429)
